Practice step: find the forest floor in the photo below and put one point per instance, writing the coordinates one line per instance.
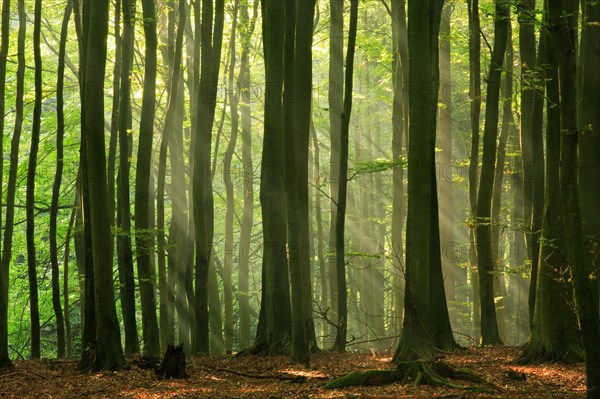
(277, 378)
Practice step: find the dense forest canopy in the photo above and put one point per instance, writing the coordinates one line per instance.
(279, 176)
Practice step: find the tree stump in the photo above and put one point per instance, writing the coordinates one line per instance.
(173, 364)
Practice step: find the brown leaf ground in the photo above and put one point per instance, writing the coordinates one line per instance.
(217, 378)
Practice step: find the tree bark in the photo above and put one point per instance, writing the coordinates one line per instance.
(485, 260)
(144, 240)
(60, 131)
(340, 265)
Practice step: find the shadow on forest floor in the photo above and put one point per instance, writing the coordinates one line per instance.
(277, 378)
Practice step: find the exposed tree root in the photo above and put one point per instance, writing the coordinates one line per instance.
(428, 372)
(262, 348)
(278, 376)
(537, 352)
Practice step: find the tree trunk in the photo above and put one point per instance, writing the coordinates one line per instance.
(108, 351)
(340, 266)
(445, 180)
(144, 241)
(124, 250)
(30, 195)
(274, 326)
(563, 25)
(555, 334)
(248, 176)
(475, 99)
(230, 200)
(417, 339)
(335, 100)
(399, 126)
(211, 30)
(60, 131)
(12, 175)
(589, 123)
(485, 260)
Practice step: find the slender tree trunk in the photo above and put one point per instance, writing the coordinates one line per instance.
(475, 99)
(4, 45)
(67, 255)
(230, 200)
(485, 260)
(445, 180)
(399, 126)
(211, 29)
(144, 241)
(12, 177)
(342, 305)
(60, 131)
(335, 100)
(507, 120)
(30, 196)
(124, 250)
(248, 175)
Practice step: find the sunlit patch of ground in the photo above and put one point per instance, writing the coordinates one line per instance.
(275, 378)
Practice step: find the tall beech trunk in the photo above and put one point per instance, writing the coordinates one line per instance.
(507, 122)
(246, 30)
(124, 249)
(555, 333)
(563, 28)
(144, 241)
(485, 261)
(335, 101)
(340, 264)
(60, 131)
(400, 127)
(12, 177)
(4, 45)
(230, 200)
(30, 195)
(211, 31)
(475, 107)
(108, 351)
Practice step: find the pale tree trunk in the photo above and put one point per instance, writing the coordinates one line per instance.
(248, 175)
(400, 127)
(335, 99)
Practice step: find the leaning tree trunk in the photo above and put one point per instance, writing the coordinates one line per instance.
(485, 260)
